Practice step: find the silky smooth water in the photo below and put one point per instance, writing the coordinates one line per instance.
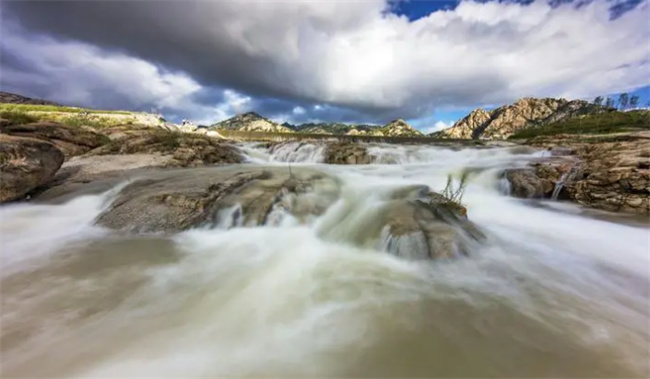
(552, 292)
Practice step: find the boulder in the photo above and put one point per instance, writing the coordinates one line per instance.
(524, 183)
(71, 140)
(25, 163)
(176, 200)
(347, 153)
(412, 223)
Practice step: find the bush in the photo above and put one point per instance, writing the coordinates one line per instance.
(603, 123)
(17, 118)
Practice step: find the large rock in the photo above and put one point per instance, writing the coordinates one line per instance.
(71, 140)
(613, 176)
(25, 164)
(346, 153)
(175, 200)
(412, 222)
(186, 149)
(604, 172)
(524, 183)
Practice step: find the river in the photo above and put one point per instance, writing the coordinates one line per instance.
(554, 290)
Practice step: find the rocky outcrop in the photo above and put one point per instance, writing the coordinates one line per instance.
(71, 140)
(411, 222)
(251, 122)
(184, 148)
(25, 164)
(603, 172)
(346, 153)
(12, 98)
(399, 128)
(613, 176)
(428, 227)
(176, 200)
(504, 121)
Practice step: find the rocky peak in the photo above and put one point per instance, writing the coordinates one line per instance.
(398, 128)
(504, 121)
(251, 122)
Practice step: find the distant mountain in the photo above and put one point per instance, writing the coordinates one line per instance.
(12, 98)
(504, 121)
(251, 122)
(399, 128)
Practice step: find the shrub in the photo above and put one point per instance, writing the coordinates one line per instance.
(602, 123)
(17, 118)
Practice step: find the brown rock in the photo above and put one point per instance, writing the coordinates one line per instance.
(25, 164)
(347, 153)
(524, 183)
(71, 140)
(187, 149)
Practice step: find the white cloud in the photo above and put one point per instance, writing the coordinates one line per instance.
(355, 54)
(439, 125)
(298, 110)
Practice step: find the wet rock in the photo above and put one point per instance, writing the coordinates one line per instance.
(175, 200)
(411, 222)
(25, 164)
(524, 183)
(347, 153)
(431, 227)
(71, 140)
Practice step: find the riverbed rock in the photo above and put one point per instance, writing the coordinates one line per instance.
(347, 153)
(411, 222)
(524, 183)
(25, 163)
(71, 140)
(429, 227)
(176, 200)
(609, 172)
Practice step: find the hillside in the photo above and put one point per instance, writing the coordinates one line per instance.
(33, 112)
(12, 98)
(250, 122)
(601, 123)
(506, 120)
(399, 128)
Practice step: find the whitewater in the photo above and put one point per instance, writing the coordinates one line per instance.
(555, 290)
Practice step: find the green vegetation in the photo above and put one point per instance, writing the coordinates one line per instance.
(17, 118)
(603, 123)
(51, 108)
(452, 194)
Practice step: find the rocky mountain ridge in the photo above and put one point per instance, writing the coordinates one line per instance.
(12, 98)
(253, 122)
(502, 122)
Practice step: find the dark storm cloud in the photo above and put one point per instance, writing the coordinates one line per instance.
(352, 59)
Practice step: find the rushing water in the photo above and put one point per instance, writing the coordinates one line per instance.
(551, 292)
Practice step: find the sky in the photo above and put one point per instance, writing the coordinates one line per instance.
(370, 61)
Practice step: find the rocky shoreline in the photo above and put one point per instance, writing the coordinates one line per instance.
(50, 162)
(603, 172)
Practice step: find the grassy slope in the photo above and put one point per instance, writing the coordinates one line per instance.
(26, 113)
(26, 108)
(604, 123)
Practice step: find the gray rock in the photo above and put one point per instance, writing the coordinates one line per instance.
(176, 200)
(25, 164)
(524, 183)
